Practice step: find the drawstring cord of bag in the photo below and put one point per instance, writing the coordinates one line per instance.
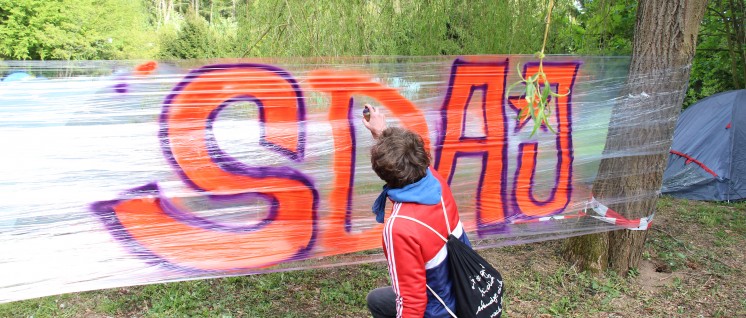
(448, 227)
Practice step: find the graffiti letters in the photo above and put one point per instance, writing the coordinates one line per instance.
(167, 232)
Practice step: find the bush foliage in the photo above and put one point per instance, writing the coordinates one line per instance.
(187, 29)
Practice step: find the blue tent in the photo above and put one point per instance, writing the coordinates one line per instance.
(17, 76)
(707, 160)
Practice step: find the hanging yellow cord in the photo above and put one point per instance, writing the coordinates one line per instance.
(546, 35)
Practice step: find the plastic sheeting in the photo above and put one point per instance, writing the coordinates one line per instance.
(124, 173)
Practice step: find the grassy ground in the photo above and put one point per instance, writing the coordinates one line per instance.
(693, 266)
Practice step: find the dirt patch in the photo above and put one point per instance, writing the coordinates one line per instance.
(654, 275)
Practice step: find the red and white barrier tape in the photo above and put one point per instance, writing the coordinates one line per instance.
(611, 216)
(604, 214)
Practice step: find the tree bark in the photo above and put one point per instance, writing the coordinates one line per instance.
(739, 24)
(169, 9)
(731, 36)
(641, 129)
(588, 252)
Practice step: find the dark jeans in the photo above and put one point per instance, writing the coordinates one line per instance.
(382, 302)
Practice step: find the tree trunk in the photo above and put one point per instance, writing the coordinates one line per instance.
(169, 9)
(732, 37)
(641, 129)
(739, 23)
(157, 7)
(588, 252)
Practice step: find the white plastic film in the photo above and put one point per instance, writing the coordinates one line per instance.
(124, 173)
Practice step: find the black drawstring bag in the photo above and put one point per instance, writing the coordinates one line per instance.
(477, 286)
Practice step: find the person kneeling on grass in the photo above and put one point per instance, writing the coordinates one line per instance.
(417, 257)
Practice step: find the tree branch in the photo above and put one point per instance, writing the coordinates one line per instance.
(720, 14)
(271, 25)
(714, 50)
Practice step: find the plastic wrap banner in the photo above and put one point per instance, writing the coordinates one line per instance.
(123, 173)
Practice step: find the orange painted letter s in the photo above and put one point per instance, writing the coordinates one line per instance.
(157, 226)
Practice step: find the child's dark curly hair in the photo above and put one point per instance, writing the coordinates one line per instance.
(399, 157)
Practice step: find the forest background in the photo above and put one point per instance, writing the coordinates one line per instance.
(186, 29)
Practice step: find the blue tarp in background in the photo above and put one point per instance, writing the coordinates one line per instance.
(708, 154)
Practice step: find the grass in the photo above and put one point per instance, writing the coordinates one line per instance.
(693, 265)
(325, 293)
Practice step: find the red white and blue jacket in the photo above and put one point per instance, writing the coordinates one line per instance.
(416, 256)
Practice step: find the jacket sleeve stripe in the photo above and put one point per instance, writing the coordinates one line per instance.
(388, 241)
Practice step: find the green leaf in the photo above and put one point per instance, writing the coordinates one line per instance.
(550, 128)
(530, 91)
(510, 88)
(520, 73)
(545, 93)
(536, 127)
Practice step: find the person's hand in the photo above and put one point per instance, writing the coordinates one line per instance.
(377, 122)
